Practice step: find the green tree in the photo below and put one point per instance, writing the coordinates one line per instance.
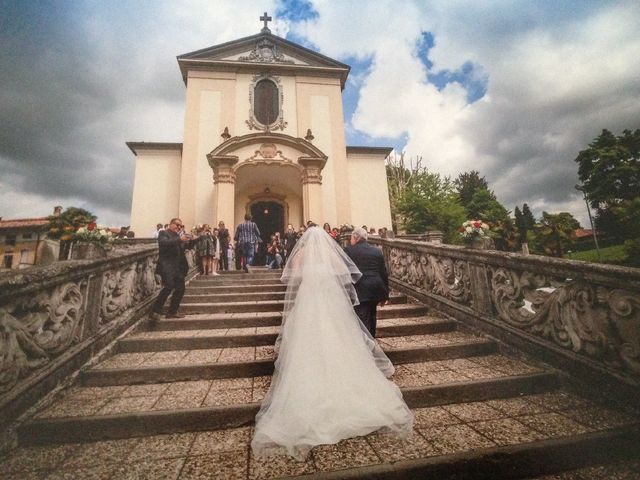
(521, 225)
(485, 206)
(467, 184)
(556, 232)
(529, 219)
(610, 168)
(524, 223)
(432, 203)
(62, 227)
(610, 172)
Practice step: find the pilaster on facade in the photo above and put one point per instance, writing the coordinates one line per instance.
(312, 168)
(222, 165)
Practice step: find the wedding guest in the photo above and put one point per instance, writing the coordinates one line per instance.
(158, 228)
(247, 237)
(269, 256)
(230, 255)
(215, 262)
(373, 286)
(327, 228)
(205, 249)
(172, 268)
(237, 256)
(224, 238)
(275, 251)
(289, 241)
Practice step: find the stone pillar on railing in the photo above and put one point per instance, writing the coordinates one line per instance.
(480, 289)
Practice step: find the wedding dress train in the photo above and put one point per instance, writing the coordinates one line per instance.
(330, 379)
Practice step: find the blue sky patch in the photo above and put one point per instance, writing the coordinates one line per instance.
(426, 42)
(469, 75)
(295, 10)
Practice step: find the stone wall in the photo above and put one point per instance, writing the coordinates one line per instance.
(55, 318)
(584, 318)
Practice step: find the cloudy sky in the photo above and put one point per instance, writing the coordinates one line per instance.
(513, 89)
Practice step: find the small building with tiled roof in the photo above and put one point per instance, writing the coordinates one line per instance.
(20, 239)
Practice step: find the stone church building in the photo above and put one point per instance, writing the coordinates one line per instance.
(263, 133)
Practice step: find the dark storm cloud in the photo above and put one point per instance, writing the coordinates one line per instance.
(69, 91)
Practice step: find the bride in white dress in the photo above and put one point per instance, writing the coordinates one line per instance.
(330, 379)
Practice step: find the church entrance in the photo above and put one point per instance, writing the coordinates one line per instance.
(269, 216)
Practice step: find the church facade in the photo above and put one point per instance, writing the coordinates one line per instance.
(263, 134)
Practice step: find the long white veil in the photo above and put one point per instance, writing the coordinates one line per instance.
(319, 261)
(325, 386)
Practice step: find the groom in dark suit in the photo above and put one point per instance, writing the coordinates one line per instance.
(373, 286)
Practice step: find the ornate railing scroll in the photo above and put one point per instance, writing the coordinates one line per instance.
(50, 314)
(589, 311)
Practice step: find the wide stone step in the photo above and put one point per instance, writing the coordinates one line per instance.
(388, 311)
(218, 320)
(248, 324)
(403, 326)
(233, 307)
(428, 333)
(122, 416)
(203, 290)
(224, 281)
(254, 272)
(443, 446)
(257, 296)
(182, 365)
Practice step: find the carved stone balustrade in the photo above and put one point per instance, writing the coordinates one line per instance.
(584, 318)
(55, 318)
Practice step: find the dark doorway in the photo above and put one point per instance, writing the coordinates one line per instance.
(269, 216)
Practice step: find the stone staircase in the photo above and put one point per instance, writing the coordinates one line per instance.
(177, 399)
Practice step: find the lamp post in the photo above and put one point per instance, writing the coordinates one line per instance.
(593, 229)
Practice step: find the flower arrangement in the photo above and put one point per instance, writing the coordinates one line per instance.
(94, 234)
(346, 227)
(472, 229)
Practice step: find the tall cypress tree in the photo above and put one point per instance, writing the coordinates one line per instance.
(529, 219)
(521, 225)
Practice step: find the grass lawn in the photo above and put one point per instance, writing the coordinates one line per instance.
(614, 254)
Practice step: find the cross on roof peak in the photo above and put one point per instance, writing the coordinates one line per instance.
(266, 18)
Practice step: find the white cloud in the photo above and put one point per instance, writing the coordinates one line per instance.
(557, 74)
(556, 77)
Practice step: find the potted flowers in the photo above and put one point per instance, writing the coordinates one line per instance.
(91, 242)
(475, 234)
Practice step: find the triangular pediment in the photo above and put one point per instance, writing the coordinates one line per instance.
(261, 50)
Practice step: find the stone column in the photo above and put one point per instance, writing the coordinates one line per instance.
(224, 179)
(312, 189)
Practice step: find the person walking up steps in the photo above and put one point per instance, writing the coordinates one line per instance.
(246, 237)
